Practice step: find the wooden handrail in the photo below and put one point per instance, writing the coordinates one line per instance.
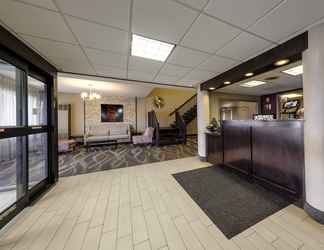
(174, 111)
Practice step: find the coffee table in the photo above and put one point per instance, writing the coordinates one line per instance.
(102, 143)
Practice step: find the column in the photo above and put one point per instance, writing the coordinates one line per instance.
(202, 121)
(313, 82)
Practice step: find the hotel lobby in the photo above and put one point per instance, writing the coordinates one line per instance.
(161, 125)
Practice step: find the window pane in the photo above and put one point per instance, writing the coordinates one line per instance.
(10, 171)
(37, 112)
(10, 95)
(37, 158)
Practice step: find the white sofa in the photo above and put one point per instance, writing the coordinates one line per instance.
(106, 132)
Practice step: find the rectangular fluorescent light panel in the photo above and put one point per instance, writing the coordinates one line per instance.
(252, 84)
(149, 48)
(295, 71)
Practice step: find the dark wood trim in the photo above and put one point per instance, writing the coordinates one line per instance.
(124, 79)
(19, 49)
(292, 50)
(174, 111)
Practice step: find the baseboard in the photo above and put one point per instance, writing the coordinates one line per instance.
(202, 158)
(313, 212)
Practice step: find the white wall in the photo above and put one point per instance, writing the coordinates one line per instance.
(93, 111)
(203, 118)
(313, 79)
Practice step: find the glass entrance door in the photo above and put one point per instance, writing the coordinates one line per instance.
(12, 169)
(24, 135)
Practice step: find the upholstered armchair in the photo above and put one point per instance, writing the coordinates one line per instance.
(146, 138)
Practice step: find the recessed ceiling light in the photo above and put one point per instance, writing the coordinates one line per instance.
(252, 84)
(151, 49)
(281, 62)
(295, 71)
(211, 88)
(249, 74)
(227, 82)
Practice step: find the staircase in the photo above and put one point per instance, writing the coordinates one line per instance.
(167, 135)
(188, 111)
(188, 116)
(177, 132)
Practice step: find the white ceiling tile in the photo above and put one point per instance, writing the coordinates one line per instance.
(198, 4)
(74, 66)
(288, 19)
(35, 21)
(240, 13)
(287, 79)
(187, 57)
(208, 34)
(162, 20)
(106, 58)
(42, 3)
(144, 65)
(99, 36)
(161, 78)
(217, 64)
(198, 76)
(244, 47)
(140, 75)
(53, 49)
(174, 70)
(110, 12)
(110, 71)
(76, 84)
(187, 82)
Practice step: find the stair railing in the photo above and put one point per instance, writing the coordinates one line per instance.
(154, 123)
(181, 125)
(186, 105)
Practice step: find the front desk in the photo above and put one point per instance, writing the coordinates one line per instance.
(271, 152)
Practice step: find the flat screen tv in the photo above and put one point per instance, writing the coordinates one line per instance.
(112, 113)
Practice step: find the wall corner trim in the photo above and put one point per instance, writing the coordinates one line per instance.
(202, 158)
(314, 213)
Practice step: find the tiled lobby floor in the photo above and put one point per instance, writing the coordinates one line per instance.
(144, 208)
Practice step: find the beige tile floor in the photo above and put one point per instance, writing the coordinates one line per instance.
(144, 208)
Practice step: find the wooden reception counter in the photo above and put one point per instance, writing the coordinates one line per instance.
(271, 152)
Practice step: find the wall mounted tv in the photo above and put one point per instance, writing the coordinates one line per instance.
(112, 113)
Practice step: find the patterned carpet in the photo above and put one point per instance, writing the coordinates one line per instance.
(108, 157)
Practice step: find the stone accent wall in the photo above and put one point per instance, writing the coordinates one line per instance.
(93, 109)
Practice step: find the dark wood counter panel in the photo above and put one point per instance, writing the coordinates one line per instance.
(237, 148)
(271, 152)
(278, 153)
(214, 142)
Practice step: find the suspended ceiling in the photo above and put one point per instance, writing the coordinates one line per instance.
(93, 37)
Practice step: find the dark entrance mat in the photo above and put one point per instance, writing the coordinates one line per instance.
(233, 203)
